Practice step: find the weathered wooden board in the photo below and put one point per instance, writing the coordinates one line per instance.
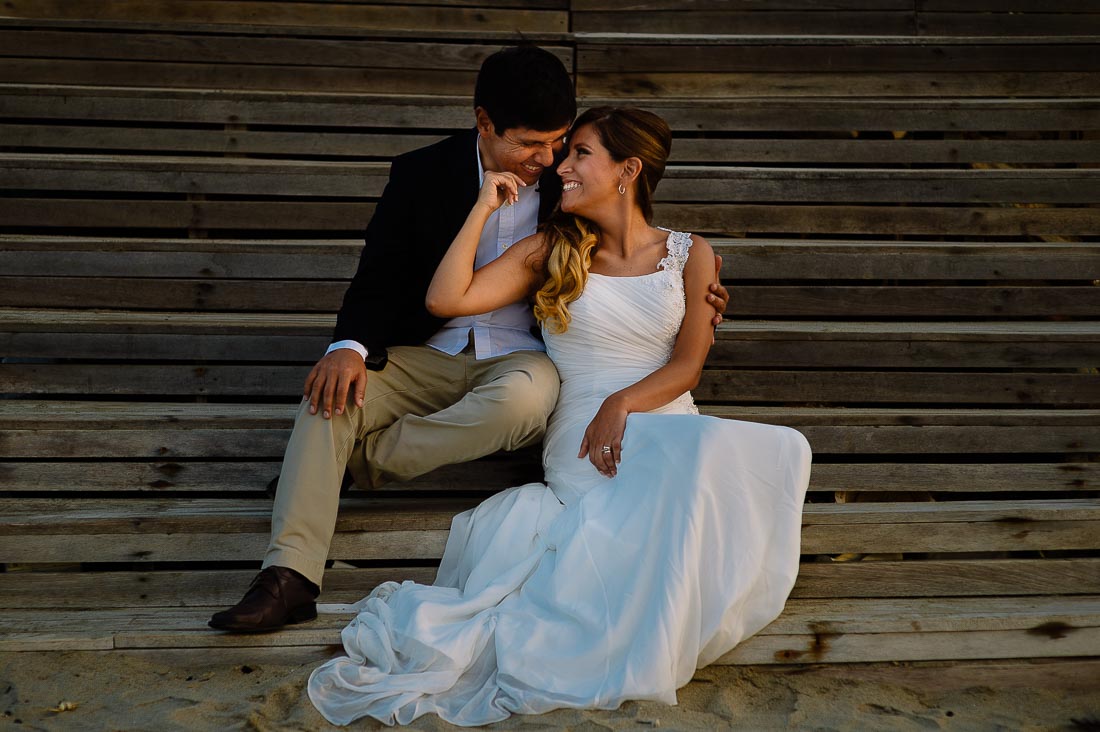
(746, 301)
(29, 256)
(504, 470)
(786, 344)
(950, 537)
(911, 301)
(392, 546)
(237, 141)
(743, 151)
(775, 259)
(34, 414)
(180, 45)
(1009, 23)
(845, 22)
(89, 477)
(789, 184)
(164, 431)
(412, 112)
(85, 214)
(232, 141)
(713, 54)
(188, 294)
(122, 516)
(951, 577)
(858, 648)
(726, 218)
(33, 516)
(1004, 630)
(743, 260)
(716, 385)
(201, 531)
(268, 77)
(481, 16)
(163, 174)
(177, 106)
(248, 176)
(486, 475)
(820, 387)
(818, 21)
(185, 346)
(199, 587)
(712, 85)
(942, 478)
(161, 444)
(740, 343)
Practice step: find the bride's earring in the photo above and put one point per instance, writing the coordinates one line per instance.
(622, 189)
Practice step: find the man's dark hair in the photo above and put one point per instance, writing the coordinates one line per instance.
(525, 86)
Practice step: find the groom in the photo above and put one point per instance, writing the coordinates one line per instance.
(441, 391)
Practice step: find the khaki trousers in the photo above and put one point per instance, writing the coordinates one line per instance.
(424, 410)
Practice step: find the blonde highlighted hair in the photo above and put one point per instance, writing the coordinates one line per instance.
(626, 132)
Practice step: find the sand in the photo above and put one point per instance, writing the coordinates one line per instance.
(214, 690)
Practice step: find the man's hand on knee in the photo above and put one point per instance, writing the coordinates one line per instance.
(330, 381)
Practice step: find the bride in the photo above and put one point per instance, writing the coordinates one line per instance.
(661, 538)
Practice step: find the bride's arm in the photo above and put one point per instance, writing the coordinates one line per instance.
(680, 374)
(457, 288)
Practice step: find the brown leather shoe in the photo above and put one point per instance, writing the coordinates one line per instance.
(276, 597)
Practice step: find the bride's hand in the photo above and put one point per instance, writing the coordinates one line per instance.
(499, 189)
(605, 430)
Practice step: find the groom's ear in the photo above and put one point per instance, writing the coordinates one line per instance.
(484, 124)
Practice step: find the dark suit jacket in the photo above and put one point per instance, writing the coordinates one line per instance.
(429, 194)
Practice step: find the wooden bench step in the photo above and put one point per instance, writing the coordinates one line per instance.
(308, 217)
(287, 338)
(822, 579)
(485, 18)
(102, 101)
(875, 19)
(129, 530)
(170, 431)
(426, 63)
(744, 260)
(716, 384)
(242, 176)
(808, 631)
(743, 151)
(504, 470)
(807, 301)
(716, 66)
(810, 301)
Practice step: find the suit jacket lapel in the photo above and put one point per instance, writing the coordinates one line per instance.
(457, 182)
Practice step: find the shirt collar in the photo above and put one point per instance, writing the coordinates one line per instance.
(480, 167)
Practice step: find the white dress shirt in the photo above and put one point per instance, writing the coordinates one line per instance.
(507, 329)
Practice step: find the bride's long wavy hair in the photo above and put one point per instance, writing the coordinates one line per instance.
(626, 132)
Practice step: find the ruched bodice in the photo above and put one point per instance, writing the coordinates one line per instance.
(622, 330)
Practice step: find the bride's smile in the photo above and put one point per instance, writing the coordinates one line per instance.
(589, 176)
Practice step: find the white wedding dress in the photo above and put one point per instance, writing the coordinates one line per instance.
(589, 591)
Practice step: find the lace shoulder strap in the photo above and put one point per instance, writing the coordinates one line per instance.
(678, 244)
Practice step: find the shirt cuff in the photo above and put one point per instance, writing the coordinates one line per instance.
(353, 345)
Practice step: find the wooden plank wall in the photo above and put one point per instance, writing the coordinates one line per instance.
(905, 196)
